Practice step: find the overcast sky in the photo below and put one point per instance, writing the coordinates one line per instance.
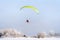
(48, 19)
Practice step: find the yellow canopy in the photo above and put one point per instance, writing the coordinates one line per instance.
(32, 7)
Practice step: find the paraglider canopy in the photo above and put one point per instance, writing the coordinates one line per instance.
(31, 7)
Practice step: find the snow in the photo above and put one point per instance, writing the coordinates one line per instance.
(21, 38)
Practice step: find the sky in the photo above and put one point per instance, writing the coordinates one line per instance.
(47, 20)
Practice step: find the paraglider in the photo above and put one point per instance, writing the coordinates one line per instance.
(27, 21)
(31, 7)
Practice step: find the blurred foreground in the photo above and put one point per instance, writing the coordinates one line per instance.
(30, 38)
(12, 33)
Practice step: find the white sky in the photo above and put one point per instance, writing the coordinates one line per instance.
(48, 18)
